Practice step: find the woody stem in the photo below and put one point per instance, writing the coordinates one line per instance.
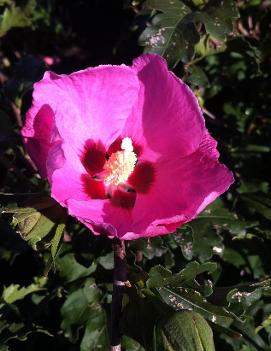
(120, 277)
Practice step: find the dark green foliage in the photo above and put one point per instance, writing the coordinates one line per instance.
(211, 277)
(186, 331)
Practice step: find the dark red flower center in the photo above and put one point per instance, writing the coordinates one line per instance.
(117, 174)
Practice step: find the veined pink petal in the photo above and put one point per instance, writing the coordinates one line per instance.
(40, 134)
(86, 102)
(91, 214)
(82, 106)
(167, 118)
(198, 179)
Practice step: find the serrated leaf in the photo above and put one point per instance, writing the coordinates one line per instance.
(160, 276)
(42, 228)
(152, 247)
(186, 331)
(14, 292)
(25, 218)
(70, 269)
(188, 299)
(201, 238)
(172, 33)
(37, 220)
(245, 296)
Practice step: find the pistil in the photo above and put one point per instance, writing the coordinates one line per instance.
(120, 164)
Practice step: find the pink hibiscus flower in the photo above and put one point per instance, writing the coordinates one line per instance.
(125, 149)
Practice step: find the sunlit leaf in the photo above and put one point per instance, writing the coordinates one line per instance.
(15, 292)
(171, 33)
(186, 331)
(38, 220)
(14, 16)
(188, 299)
(160, 276)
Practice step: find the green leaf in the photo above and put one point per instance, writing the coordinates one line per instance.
(130, 344)
(184, 238)
(218, 20)
(38, 220)
(245, 296)
(152, 247)
(14, 16)
(197, 77)
(258, 203)
(234, 257)
(56, 241)
(186, 331)
(172, 33)
(43, 227)
(160, 276)
(78, 307)
(208, 46)
(266, 323)
(107, 261)
(184, 298)
(70, 269)
(14, 292)
(201, 237)
(96, 335)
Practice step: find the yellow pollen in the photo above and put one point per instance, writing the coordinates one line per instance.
(120, 164)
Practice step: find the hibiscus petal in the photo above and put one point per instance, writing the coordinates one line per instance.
(183, 187)
(85, 103)
(101, 216)
(66, 183)
(167, 118)
(39, 135)
(91, 214)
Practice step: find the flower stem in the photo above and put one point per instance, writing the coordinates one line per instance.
(120, 277)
